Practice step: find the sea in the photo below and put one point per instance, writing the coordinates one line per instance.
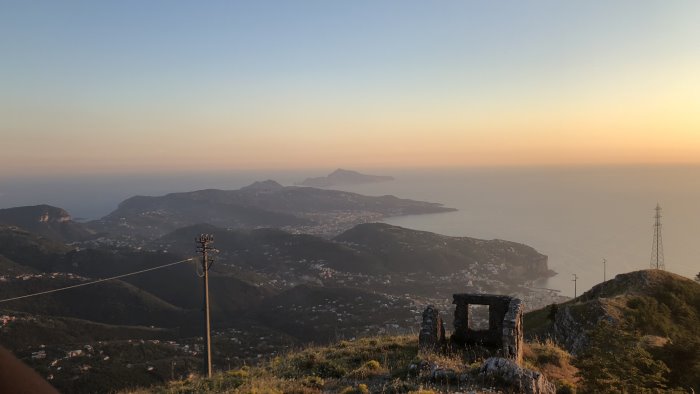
(592, 222)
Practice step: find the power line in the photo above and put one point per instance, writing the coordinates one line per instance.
(97, 281)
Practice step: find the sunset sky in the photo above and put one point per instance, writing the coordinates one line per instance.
(125, 86)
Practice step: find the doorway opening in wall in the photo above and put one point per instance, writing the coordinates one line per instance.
(479, 317)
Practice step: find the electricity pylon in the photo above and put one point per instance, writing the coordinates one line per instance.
(657, 246)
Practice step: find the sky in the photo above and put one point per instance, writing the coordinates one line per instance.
(131, 86)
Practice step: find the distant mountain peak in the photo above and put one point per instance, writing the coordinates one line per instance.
(342, 171)
(267, 185)
(344, 177)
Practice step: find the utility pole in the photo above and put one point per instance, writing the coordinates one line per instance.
(204, 242)
(574, 279)
(604, 261)
(657, 246)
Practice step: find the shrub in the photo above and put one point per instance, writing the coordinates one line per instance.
(614, 361)
(565, 388)
(360, 389)
(368, 369)
(313, 382)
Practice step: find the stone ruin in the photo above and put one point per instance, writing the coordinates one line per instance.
(503, 337)
(432, 330)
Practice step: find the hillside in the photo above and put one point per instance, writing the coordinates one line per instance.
(334, 313)
(378, 364)
(271, 250)
(22, 252)
(271, 291)
(112, 302)
(261, 204)
(405, 250)
(45, 220)
(151, 217)
(9, 267)
(25, 330)
(26, 248)
(655, 312)
(625, 352)
(372, 248)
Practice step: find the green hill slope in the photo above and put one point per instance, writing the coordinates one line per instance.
(405, 250)
(653, 313)
(24, 330)
(112, 302)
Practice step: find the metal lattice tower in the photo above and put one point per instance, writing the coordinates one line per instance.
(657, 246)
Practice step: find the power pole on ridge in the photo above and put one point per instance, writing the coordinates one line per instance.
(574, 278)
(204, 242)
(604, 276)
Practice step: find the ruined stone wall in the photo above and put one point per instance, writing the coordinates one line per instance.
(504, 335)
(512, 342)
(464, 334)
(432, 330)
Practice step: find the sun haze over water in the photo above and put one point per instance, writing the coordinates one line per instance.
(130, 86)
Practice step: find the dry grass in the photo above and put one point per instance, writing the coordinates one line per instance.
(551, 360)
(311, 370)
(451, 362)
(370, 369)
(366, 365)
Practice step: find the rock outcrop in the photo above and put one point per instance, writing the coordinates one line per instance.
(51, 222)
(515, 378)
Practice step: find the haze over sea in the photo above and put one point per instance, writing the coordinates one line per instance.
(575, 215)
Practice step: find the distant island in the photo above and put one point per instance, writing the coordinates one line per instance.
(341, 177)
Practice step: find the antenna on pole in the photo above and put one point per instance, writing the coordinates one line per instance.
(574, 278)
(204, 242)
(657, 246)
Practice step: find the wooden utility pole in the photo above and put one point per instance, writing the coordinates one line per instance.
(204, 242)
(604, 276)
(574, 279)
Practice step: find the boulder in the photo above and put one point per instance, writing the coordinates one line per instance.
(509, 374)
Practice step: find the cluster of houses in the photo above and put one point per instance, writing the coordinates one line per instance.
(42, 275)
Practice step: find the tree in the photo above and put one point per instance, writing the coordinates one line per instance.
(697, 277)
(682, 355)
(615, 362)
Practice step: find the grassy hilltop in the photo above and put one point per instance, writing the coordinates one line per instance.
(376, 365)
(636, 333)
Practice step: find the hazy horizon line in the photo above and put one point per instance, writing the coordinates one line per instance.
(325, 170)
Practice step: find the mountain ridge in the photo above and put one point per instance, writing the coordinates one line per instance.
(261, 204)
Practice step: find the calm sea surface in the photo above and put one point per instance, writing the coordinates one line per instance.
(576, 216)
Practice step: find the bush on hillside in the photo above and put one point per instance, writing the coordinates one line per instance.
(615, 362)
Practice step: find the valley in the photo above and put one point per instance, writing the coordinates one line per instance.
(273, 288)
